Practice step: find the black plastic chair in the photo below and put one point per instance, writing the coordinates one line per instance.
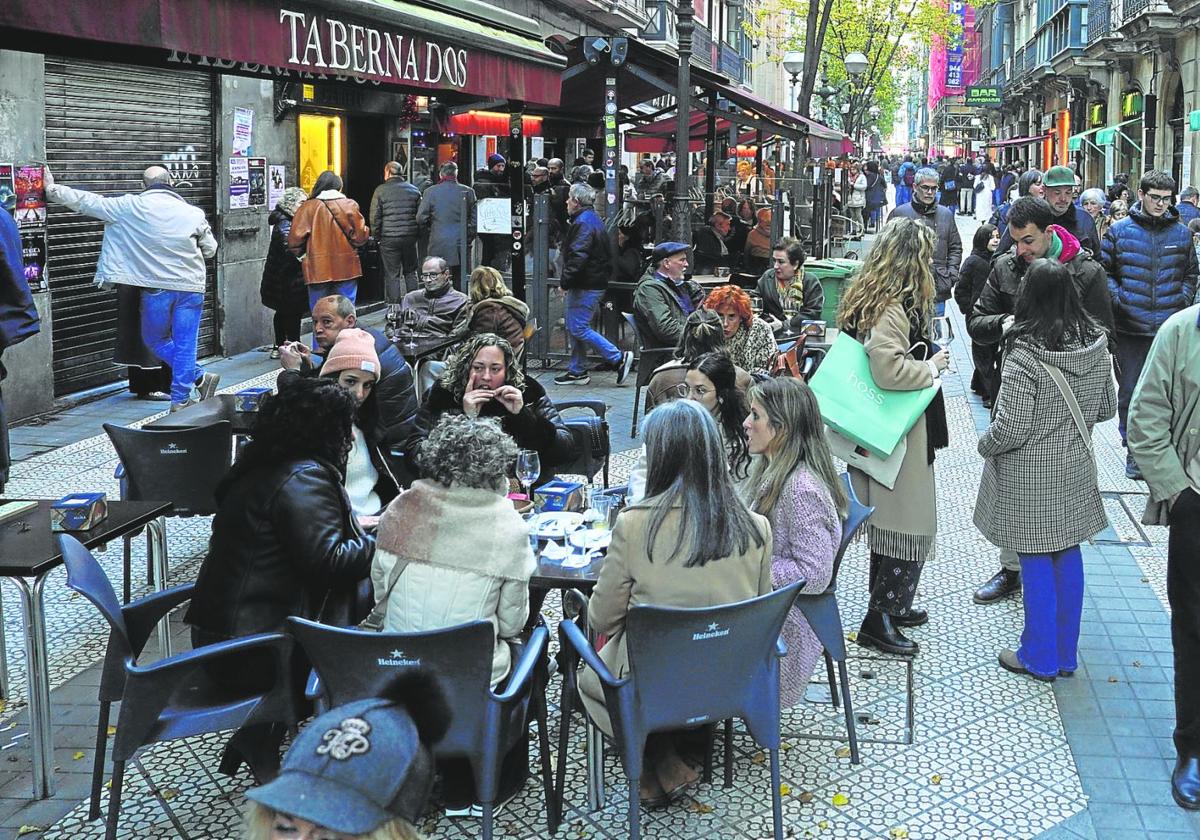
(353, 664)
(649, 360)
(172, 698)
(591, 438)
(180, 466)
(821, 612)
(673, 655)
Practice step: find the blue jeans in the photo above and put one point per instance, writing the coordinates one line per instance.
(170, 328)
(581, 304)
(316, 291)
(1052, 589)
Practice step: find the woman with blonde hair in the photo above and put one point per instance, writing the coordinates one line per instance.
(757, 256)
(793, 483)
(889, 307)
(494, 309)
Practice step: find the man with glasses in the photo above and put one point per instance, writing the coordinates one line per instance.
(1152, 273)
(947, 255)
(440, 308)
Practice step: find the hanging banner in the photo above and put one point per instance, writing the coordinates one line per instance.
(954, 47)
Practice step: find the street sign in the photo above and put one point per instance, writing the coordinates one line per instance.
(983, 95)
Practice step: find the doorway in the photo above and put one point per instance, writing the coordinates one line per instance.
(367, 144)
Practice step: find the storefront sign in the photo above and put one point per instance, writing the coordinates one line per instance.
(1193, 122)
(983, 95)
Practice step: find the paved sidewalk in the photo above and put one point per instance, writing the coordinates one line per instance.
(991, 755)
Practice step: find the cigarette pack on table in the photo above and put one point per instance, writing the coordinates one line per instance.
(559, 495)
(78, 512)
(248, 399)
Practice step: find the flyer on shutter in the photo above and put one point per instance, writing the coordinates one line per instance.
(239, 182)
(258, 181)
(31, 196)
(33, 251)
(276, 185)
(243, 130)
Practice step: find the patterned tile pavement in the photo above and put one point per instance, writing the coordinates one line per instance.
(992, 755)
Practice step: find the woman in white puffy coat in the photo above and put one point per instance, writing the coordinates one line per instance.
(452, 549)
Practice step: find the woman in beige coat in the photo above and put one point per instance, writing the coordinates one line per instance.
(888, 308)
(691, 543)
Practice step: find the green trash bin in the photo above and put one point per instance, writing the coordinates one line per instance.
(833, 274)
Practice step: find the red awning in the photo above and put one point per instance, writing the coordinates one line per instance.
(658, 137)
(391, 43)
(490, 123)
(1017, 141)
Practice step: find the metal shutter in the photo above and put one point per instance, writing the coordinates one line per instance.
(104, 124)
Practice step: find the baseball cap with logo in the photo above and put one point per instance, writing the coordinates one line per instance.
(360, 765)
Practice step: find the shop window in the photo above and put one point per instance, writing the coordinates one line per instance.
(320, 147)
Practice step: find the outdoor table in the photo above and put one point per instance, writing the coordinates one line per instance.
(712, 281)
(551, 575)
(205, 413)
(29, 549)
(424, 346)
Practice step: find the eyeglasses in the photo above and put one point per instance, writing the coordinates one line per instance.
(432, 275)
(1156, 198)
(927, 187)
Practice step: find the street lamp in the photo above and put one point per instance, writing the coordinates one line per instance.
(793, 63)
(683, 109)
(856, 65)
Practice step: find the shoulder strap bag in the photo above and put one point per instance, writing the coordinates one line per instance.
(1072, 403)
(374, 622)
(338, 222)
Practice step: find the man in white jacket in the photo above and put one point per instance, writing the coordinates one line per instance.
(157, 241)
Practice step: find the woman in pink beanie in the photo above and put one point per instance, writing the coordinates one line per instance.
(354, 364)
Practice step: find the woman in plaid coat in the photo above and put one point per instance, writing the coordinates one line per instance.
(1039, 495)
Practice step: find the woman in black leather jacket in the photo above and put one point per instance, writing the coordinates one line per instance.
(485, 380)
(284, 541)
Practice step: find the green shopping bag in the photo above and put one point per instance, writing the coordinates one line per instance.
(854, 406)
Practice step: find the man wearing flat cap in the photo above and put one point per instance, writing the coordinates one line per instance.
(664, 299)
(1059, 186)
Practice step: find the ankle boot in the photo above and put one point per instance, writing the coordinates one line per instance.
(1185, 783)
(877, 631)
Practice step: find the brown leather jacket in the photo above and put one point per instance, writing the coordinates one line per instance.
(326, 233)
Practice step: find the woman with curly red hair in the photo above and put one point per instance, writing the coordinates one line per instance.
(748, 340)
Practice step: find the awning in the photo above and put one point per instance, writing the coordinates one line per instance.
(1105, 135)
(384, 41)
(660, 136)
(1017, 141)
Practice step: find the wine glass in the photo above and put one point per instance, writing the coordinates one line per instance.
(941, 330)
(409, 319)
(789, 310)
(529, 467)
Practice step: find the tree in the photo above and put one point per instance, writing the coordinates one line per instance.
(892, 34)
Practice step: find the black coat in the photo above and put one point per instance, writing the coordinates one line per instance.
(284, 542)
(706, 246)
(393, 213)
(538, 425)
(282, 287)
(971, 279)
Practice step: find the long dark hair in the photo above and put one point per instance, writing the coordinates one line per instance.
(327, 180)
(686, 466)
(731, 407)
(310, 418)
(1049, 312)
(982, 237)
(702, 334)
(1028, 178)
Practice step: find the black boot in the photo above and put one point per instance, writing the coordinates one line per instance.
(915, 618)
(1000, 585)
(877, 631)
(1185, 783)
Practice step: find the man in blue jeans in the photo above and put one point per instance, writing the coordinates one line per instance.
(587, 265)
(158, 242)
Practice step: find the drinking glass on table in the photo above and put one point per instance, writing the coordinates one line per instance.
(603, 505)
(790, 308)
(756, 305)
(529, 467)
(409, 318)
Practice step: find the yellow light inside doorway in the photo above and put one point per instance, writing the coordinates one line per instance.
(320, 147)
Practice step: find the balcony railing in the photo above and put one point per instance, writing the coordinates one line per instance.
(1130, 8)
(1100, 23)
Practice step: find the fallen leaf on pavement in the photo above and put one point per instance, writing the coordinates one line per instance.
(853, 636)
(78, 755)
(30, 829)
(842, 752)
(785, 789)
(823, 824)
(898, 833)
(699, 807)
(759, 757)
(935, 779)
(806, 797)
(112, 730)
(168, 793)
(840, 799)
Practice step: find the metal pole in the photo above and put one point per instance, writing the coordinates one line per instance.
(683, 107)
(539, 297)
(516, 189)
(710, 169)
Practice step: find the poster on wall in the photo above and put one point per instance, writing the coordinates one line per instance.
(257, 169)
(239, 182)
(31, 196)
(33, 251)
(243, 130)
(276, 184)
(8, 192)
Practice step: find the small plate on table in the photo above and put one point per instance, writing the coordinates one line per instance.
(590, 539)
(555, 525)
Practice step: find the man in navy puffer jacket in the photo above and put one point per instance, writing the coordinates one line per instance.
(1152, 271)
